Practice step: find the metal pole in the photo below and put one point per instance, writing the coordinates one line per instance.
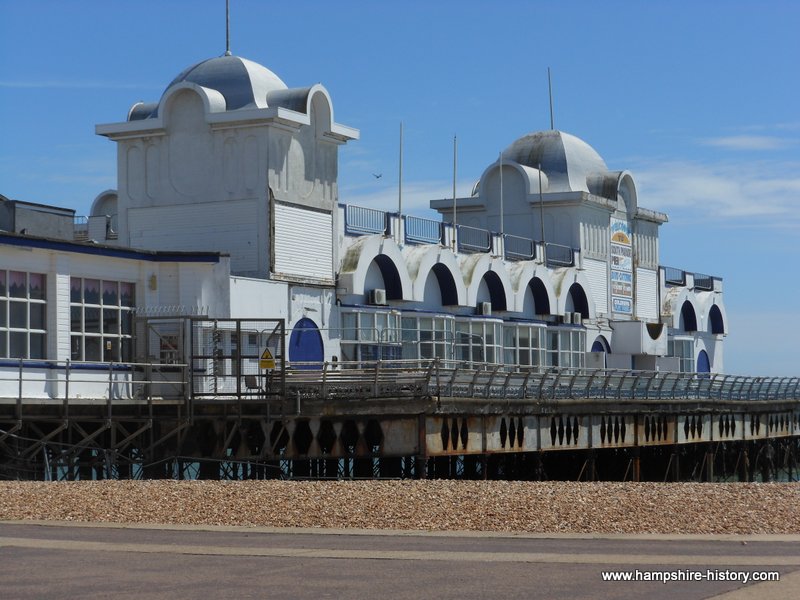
(455, 170)
(400, 176)
(227, 28)
(502, 228)
(550, 93)
(541, 214)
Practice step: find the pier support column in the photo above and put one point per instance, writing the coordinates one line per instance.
(676, 463)
(637, 464)
(710, 462)
(744, 463)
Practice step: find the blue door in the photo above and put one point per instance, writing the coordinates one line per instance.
(305, 344)
(703, 366)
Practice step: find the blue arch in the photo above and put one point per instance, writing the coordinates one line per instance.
(703, 364)
(305, 344)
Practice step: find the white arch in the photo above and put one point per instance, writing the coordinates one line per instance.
(419, 262)
(99, 202)
(213, 101)
(360, 255)
(529, 175)
(706, 300)
(563, 280)
(673, 303)
(522, 273)
(474, 266)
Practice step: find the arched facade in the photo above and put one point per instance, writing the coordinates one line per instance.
(474, 268)
(388, 258)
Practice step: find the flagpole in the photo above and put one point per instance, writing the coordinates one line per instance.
(541, 215)
(400, 175)
(502, 225)
(455, 202)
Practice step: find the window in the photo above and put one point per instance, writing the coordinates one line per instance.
(479, 341)
(370, 336)
(427, 337)
(683, 350)
(523, 345)
(566, 348)
(101, 319)
(23, 314)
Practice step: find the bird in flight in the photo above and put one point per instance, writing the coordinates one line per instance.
(377, 175)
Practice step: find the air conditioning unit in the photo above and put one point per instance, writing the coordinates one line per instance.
(566, 318)
(577, 318)
(485, 308)
(377, 296)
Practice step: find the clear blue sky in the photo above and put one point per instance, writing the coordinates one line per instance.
(698, 99)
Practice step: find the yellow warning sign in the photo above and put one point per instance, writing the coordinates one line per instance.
(266, 361)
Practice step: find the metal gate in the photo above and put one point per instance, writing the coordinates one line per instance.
(237, 359)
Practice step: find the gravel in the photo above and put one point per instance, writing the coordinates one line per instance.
(550, 507)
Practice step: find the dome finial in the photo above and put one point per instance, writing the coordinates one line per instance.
(227, 28)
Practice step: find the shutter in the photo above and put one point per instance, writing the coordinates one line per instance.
(646, 294)
(303, 242)
(597, 274)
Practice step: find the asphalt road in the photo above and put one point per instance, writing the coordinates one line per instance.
(91, 561)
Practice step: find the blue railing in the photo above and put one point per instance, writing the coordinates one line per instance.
(674, 276)
(472, 239)
(518, 248)
(703, 282)
(558, 255)
(423, 231)
(359, 220)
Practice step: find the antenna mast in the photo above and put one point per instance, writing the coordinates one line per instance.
(550, 93)
(227, 27)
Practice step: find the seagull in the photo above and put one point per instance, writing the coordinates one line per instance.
(377, 175)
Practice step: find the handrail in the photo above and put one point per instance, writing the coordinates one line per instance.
(518, 248)
(473, 239)
(419, 230)
(360, 220)
(559, 255)
(403, 377)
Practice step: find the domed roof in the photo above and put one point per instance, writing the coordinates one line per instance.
(568, 161)
(243, 83)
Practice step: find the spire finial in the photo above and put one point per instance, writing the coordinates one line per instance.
(227, 28)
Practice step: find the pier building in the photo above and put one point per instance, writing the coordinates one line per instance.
(225, 301)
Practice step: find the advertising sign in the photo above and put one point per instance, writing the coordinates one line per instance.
(621, 272)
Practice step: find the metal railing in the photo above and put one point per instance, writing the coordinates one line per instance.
(359, 220)
(70, 381)
(674, 276)
(472, 239)
(80, 228)
(46, 381)
(422, 231)
(559, 255)
(451, 379)
(703, 282)
(518, 248)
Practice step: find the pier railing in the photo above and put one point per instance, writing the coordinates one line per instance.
(450, 379)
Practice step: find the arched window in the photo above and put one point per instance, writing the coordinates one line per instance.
(540, 299)
(715, 323)
(383, 273)
(491, 288)
(577, 301)
(688, 317)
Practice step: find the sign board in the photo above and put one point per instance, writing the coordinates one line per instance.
(266, 361)
(621, 271)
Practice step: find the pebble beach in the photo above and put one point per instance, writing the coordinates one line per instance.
(499, 506)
